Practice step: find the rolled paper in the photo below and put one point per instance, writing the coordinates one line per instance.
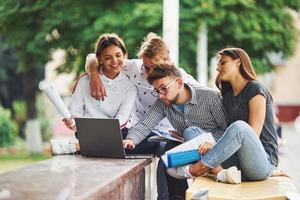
(55, 98)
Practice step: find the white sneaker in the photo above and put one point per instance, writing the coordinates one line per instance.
(181, 172)
(62, 146)
(231, 175)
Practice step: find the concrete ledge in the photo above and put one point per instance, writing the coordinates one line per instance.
(77, 177)
(272, 189)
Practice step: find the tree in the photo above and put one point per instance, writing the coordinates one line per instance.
(34, 28)
(259, 27)
(11, 83)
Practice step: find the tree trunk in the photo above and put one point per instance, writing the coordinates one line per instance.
(32, 127)
(30, 92)
(202, 55)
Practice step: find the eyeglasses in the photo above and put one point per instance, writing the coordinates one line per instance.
(163, 90)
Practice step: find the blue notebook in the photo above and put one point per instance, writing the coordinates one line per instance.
(186, 152)
(183, 158)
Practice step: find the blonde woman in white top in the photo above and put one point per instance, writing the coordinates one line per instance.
(110, 53)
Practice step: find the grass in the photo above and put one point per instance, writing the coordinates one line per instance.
(14, 161)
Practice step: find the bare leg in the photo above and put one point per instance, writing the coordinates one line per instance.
(198, 169)
(216, 170)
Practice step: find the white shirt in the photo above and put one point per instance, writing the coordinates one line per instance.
(135, 70)
(121, 95)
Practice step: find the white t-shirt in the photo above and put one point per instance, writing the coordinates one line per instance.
(121, 95)
(135, 70)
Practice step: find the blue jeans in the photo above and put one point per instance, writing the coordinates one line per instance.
(169, 188)
(239, 146)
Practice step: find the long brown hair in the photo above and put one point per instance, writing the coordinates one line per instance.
(107, 39)
(246, 69)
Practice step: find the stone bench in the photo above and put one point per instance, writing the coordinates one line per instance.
(78, 177)
(273, 188)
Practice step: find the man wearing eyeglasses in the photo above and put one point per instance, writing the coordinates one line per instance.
(183, 105)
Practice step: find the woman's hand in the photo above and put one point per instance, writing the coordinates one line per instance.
(70, 123)
(204, 147)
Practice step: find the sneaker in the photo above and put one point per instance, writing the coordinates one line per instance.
(231, 175)
(181, 172)
(62, 146)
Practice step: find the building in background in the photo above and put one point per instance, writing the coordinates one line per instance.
(285, 85)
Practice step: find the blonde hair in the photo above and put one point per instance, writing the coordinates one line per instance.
(153, 45)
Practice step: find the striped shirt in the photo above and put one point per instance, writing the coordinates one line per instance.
(204, 110)
(136, 72)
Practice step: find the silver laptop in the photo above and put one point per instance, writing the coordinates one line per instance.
(102, 138)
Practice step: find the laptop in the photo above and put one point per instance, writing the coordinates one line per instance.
(102, 138)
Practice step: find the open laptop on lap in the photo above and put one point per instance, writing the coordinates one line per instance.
(102, 138)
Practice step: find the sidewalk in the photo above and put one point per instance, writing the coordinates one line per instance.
(290, 152)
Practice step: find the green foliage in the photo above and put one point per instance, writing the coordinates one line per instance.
(19, 115)
(19, 108)
(10, 89)
(259, 27)
(8, 128)
(34, 28)
(23, 157)
(132, 21)
(44, 121)
(20, 157)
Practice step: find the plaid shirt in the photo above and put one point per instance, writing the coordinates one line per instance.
(204, 110)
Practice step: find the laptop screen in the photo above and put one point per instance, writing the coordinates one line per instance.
(100, 137)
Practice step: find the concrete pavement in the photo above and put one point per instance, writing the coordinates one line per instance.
(290, 153)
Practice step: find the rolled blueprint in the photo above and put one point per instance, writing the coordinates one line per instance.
(54, 97)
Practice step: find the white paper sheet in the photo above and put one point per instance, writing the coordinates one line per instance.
(163, 136)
